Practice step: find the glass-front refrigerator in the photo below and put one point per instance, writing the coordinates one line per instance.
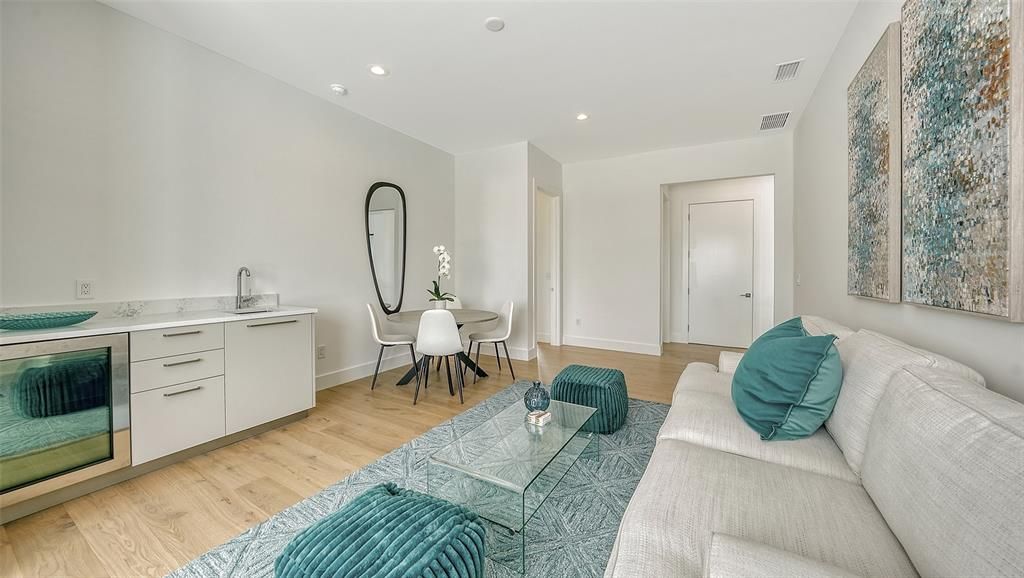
(64, 415)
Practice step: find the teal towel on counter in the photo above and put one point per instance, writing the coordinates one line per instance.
(388, 531)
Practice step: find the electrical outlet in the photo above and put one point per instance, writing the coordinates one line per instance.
(579, 322)
(321, 352)
(84, 288)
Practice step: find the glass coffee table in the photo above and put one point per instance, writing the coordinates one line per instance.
(505, 468)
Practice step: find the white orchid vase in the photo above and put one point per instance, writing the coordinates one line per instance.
(444, 271)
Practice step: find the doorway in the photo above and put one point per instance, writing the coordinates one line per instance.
(721, 273)
(718, 206)
(548, 267)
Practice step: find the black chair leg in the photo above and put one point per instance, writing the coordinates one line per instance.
(448, 370)
(419, 377)
(439, 365)
(426, 371)
(497, 356)
(376, 370)
(509, 359)
(477, 362)
(460, 367)
(469, 352)
(415, 364)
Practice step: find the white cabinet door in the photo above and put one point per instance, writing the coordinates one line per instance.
(268, 369)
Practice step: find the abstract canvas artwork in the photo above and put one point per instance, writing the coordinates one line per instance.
(873, 109)
(962, 235)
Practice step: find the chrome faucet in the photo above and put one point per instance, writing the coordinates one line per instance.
(238, 295)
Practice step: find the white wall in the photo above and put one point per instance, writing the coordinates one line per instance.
(157, 168)
(760, 190)
(992, 347)
(612, 231)
(490, 262)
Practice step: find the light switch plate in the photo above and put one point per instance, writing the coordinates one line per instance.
(84, 288)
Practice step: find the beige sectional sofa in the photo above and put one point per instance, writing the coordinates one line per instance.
(919, 471)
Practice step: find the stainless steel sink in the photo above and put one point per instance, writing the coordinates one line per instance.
(248, 310)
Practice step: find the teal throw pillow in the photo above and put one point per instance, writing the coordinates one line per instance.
(787, 383)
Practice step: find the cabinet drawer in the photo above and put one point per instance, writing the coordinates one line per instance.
(176, 341)
(174, 418)
(154, 373)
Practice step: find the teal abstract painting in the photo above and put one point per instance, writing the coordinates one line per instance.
(874, 173)
(956, 87)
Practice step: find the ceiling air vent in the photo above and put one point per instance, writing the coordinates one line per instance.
(787, 70)
(774, 121)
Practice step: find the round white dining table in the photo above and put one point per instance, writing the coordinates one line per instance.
(462, 317)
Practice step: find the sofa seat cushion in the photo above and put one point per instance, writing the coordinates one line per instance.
(710, 420)
(689, 493)
(870, 360)
(704, 377)
(945, 465)
(733, 557)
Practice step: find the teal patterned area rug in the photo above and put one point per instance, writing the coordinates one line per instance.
(572, 535)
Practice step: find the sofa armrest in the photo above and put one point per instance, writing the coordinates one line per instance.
(728, 360)
(733, 557)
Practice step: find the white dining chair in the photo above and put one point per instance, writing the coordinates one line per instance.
(438, 336)
(455, 303)
(498, 335)
(386, 340)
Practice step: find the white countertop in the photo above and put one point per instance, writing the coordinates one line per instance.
(110, 325)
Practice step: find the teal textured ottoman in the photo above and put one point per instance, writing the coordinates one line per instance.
(596, 387)
(388, 531)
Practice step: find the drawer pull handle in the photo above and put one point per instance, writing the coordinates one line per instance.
(186, 362)
(272, 323)
(196, 332)
(189, 390)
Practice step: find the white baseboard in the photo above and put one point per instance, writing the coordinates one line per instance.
(340, 376)
(544, 337)
(613, 345)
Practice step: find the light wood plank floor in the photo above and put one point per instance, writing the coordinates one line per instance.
(153, 524)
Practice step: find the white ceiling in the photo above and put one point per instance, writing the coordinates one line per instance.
(650, 75)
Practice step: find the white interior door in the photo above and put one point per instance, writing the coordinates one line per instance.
(382, 245)
(721, 273)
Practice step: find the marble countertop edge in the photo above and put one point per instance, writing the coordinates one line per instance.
(110, 325)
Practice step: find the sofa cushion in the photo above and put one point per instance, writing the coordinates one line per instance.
(710, 420)
(869, 362)
(814, 325)
(787, 383)
(945, 466)
(704, 377)
(733, 557)
(688, 493)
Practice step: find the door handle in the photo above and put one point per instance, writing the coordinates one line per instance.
(747, 295)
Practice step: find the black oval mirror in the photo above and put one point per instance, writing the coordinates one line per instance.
(385, 243)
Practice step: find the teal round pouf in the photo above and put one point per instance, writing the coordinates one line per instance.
(596, 387)
(388, 531)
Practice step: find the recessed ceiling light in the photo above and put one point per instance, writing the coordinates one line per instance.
(494, 24)
(339, 89)
(378, 70)
(582, 116)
